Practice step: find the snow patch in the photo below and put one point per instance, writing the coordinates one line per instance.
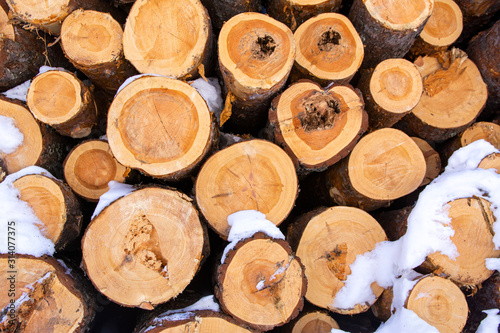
(44, 69)
(405, 320)
(211, 93)
(10, 136)
(18, 217)
(244, 224)
(490, 323)
(116, 191)
(18, 92)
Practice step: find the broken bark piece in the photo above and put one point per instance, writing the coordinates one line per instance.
(171, 38)
(160, 126)
(261, 283)
(472, 220)
(385, 165)
(388, 28)
(295, 12)
(92, 41)
(441, 30)
(432, 160)
(390, 91)
(440, 303)
(47, 299)
(55, 205)
(327, 242)
(315, 126)
(454, 95)
(150, 243)
(41, 146)
(222, 10)
(256, 55)
(59, 99)
(491, 161)
(254, 174)
(328, 49)
(90, 166)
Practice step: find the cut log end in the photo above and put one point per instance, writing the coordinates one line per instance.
(254, 174)
(315, 322)
(444, 25)
(400, 15)
(491, 161)
(90, 166)
(42, 15)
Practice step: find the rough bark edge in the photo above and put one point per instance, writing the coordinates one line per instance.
(222, 10)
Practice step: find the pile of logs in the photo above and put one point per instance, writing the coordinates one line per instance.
(336, 115)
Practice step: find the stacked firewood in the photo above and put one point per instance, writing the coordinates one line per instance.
(330, 117)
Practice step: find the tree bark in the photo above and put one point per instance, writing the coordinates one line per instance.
(388, 30)
(261, 283)
(476, 14)
(144, 248)
(90, 166)
(59, 99)
(160, 126)
(254, 174)
(92, 41)
(171, 38)
(391, 91)
(441, 30)
(256, 55)
(328, 50)
(294, 13)
(3, 170)
(316, 127)
(48, 299)
(222, 10)
(327, 245)
(486, 298)
(454, 95)
(385, 165)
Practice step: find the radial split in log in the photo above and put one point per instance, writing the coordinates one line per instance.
(222, 10)
(261, 283)
(144, 248)
(90, 166)
(168, 37)
(388, 28)
(454, 95)
(327, 242)
(254, 174)
(385, 165)
(41, 146)
(317, 127)
(441, 30)
(432, 160)
(92, 41)
(256, 55)
(440, 303)
(390, 91)
(295, 12)
(482, 130)
(160, 126)
(472, 220)
(58, 98)
(55, 205)
(328, 49)
(46, 298)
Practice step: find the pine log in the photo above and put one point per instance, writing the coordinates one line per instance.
(254, 174)
(90, 166)
(388, 29)
(256, 55)
(47, 298)
(476, 14)
(382, 308)
(41, 146)
(432, 160)
(484, 50)
(441, 30)
(385, 165)
(327, 240)
(171, 38)
(144, 248)
(328, 49)
(312, 322)
(315, 126)
(478, 131)
(394, 222)
(295, 12)
(491, 161)
(55, 205)
(261, 283)
(59, 99)
(222, 10)
(92, 41)
(454, 95)
(391, 91)
(161, 126)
